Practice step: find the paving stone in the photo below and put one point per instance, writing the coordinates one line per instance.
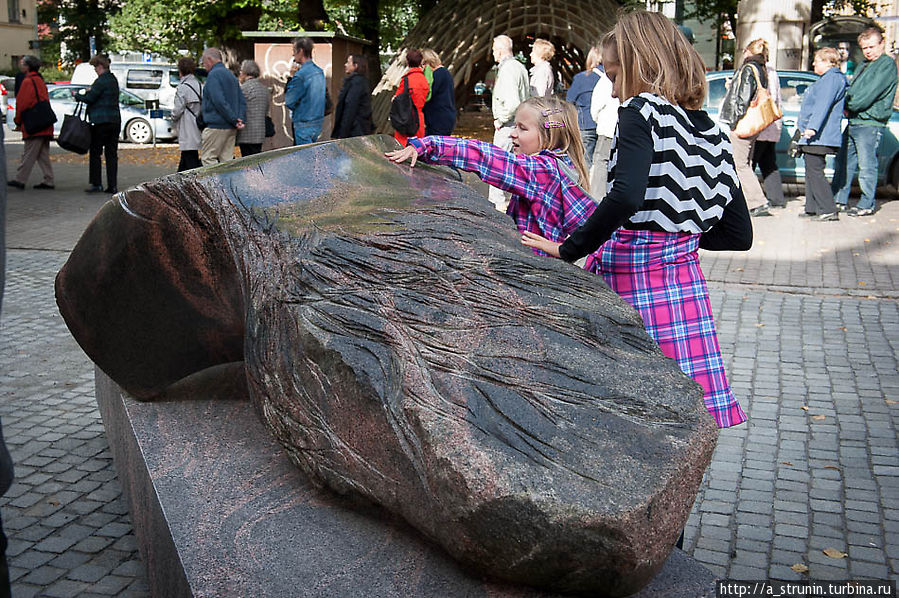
(112, 585)
(90, 573)
(65, 588)
(44, 575)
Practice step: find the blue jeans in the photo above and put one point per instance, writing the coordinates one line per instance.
(303, 135)
(588, 136)
(859, 151)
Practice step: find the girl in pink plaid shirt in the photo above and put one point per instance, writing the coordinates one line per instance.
(545, 172)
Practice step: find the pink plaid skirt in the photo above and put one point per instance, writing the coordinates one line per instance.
(658, 273)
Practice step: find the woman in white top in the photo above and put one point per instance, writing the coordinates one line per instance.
(542, 78)
(604, 110)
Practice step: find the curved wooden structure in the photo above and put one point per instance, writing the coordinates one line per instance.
(462, 33)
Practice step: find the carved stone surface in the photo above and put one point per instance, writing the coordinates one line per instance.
(404, 348)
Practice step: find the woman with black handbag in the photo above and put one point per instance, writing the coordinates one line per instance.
(35, 117)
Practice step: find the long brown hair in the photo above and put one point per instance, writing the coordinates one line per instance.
(657, 58)
(558, 130)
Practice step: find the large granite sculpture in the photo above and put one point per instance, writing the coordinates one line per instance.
(405, 349)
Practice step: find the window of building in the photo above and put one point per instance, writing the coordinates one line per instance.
(13, 11)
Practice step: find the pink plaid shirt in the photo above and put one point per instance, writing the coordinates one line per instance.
(544, 200)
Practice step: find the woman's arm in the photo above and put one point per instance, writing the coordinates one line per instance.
(634, 157)
(734, 231)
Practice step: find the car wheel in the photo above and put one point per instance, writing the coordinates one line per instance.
(138, 131)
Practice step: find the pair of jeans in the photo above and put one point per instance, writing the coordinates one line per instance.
(859, 151)
(588, 136)
(306, 134)
(104, 140)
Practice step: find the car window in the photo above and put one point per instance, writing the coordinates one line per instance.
(717, 89)
(792, 89)
(129, 99)
(64, 94)
(174, 78)
(144, 78)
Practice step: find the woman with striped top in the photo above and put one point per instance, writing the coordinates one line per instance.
(674, 189)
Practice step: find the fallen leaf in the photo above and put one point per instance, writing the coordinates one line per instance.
(831, 467)
(834, 553)
(819, 418)
(862, 283)
(53, 502)
(786, 463)
(799, 568)
(759, 325)
(738, 270)
(804, 407)
(844, 329)
(891, 402)
(867, 240)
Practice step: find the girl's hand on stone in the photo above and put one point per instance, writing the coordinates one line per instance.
(537, 242)
(400, 156)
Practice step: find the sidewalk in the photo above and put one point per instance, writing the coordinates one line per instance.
(809, 326)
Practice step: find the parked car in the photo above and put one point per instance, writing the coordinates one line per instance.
(150, 81)
(793, 85)
(136, 121)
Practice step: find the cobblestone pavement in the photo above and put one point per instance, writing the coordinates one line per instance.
(809, 326)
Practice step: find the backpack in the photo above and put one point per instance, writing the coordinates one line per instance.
(403, 113)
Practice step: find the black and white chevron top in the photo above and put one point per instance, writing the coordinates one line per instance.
(671, 170)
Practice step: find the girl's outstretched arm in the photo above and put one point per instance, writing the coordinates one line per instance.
(400, 156)
(535, 241)
(523, 175)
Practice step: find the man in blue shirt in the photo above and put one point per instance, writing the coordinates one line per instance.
(305, 93)
(224, 108)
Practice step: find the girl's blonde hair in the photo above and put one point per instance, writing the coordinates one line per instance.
(558, 130)
(758, 47)
(544, 48)
(655, 57)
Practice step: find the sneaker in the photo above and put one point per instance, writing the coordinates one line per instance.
(94, 189)
(111, 190)
(842, 207)
(860, 212)
(44, 186)
(16, 184)
(760, 211)
(827, 217)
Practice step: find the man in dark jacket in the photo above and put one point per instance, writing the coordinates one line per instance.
(102, 101)
(352, 117)
(869, 104)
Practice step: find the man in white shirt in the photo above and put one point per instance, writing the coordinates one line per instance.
(510, 90)
(604, 110)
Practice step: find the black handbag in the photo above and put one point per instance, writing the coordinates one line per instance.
(794, 150)
(75, 135)
(269, 126)
(39, 117)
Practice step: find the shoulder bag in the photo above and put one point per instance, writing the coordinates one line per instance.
(40, 116)
(403, 113)
(762, 111)
(75, 135)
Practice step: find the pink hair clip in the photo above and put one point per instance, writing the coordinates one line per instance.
(553, 124)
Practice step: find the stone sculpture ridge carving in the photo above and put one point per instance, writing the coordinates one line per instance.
(405, 349)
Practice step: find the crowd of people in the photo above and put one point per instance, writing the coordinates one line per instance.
(866, 103)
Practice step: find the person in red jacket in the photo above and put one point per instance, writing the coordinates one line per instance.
(418, 87)
(37, 144)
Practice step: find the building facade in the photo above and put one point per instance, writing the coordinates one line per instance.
(18, 31)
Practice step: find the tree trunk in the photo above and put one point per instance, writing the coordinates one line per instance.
(234, 47)
(369, 25)
(311, 14)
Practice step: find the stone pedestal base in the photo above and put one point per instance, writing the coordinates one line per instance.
(219, 510)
